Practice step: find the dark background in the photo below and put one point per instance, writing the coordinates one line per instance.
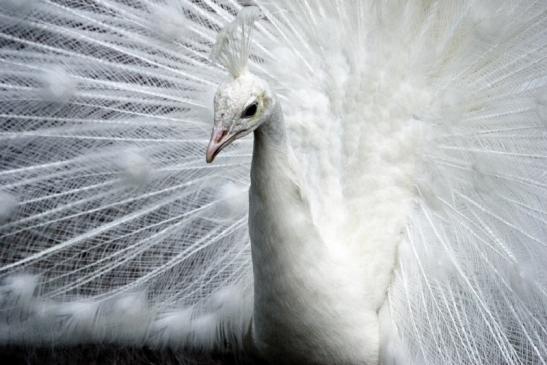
(115, 355)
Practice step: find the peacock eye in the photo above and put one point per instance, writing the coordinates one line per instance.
(250, 110)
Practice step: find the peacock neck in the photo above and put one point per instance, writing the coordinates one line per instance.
(296, 311)
(270, 170)
(273, 201)
(270, 139)
(272, 185)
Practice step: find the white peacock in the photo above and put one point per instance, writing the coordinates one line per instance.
(396, 207)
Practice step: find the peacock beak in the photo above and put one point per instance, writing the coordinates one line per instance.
(220, 138)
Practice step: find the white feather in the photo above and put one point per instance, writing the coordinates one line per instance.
(57, 85)
(8, 206)
(416, 143)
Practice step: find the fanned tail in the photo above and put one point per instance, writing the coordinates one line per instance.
(470, 287)
(113, 229)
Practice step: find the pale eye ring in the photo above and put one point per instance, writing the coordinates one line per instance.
(250, 111)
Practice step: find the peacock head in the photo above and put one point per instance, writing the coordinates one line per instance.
(241, 105)
(244, 102)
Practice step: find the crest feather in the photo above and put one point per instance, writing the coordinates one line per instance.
(233, 44)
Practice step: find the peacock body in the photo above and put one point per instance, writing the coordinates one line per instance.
(396, 178)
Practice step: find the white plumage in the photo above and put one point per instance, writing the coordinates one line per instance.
(396, 211)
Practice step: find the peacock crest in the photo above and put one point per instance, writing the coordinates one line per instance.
(233, 45)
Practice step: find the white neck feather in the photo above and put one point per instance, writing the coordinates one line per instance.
(306, 300)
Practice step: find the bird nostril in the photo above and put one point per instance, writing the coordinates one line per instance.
(220, 135)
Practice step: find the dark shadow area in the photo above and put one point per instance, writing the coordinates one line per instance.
(115, 355)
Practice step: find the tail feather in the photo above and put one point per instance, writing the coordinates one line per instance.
(103, 117)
